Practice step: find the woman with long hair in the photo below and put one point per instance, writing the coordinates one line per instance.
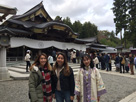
(88, 83)
(40, 83)
(63, 79)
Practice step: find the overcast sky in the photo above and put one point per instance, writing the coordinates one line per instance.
(96, 11)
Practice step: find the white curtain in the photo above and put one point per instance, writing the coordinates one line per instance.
(39, 44)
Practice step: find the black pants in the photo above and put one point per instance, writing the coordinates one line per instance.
(97, 66)
(51, 64)
(127, 68)
(122, 65)
(110, 66)
(28, 64)
(103, 65)
(74, 60)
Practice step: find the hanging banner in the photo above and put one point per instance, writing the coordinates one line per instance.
(38, 44)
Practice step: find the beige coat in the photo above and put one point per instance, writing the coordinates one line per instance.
(97, 85)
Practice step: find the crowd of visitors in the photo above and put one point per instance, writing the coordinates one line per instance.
(124, 63)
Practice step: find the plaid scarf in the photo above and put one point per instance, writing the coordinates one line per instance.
(46, 85)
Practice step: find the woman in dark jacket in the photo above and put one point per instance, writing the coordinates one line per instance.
(40, 80)
(64, 83)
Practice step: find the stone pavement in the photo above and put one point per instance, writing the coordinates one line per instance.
(17, 72)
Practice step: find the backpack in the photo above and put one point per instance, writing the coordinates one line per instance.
(123, 61)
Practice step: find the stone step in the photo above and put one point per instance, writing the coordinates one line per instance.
(20, 67)
(19, 70)
(18, 76)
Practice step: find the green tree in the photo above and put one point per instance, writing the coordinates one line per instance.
(68, 22)
(131, 34)
(88, 30)
(58, 18)
(77, 27)
(121, 16)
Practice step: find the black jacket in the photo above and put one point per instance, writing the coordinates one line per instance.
(67, 83)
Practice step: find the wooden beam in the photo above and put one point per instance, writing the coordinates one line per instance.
(7, 11)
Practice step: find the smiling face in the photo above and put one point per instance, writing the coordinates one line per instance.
(86, 61)
(42, 60)
(60, 60)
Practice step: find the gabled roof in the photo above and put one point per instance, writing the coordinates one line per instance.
(37, 10)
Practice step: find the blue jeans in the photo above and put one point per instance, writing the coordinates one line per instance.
(107, 66)
(62, 95)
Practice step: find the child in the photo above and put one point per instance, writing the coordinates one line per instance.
(88, 83)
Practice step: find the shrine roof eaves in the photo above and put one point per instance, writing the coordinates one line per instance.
(28, 24)
(13, 31)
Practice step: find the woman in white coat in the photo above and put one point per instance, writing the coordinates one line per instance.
(89, 85)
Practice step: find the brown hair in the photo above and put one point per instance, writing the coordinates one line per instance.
(66, 70)
(37, 62)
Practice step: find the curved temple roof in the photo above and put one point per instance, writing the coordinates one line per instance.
(33, 12)
(40, 25)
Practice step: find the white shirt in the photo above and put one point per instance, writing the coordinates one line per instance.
(50, 59)
(27, 57)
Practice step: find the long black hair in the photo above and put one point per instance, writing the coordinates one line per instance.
(88, 57)
(65, 64)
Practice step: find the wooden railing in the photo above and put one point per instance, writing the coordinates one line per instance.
(15, 59)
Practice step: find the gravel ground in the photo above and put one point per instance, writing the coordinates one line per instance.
(117, 88)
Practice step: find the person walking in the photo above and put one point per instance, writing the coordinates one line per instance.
(40, 80)
(96, 61)
(69, 55)
(131, 59)
(63, 79)
(54, 55)
(110, 66)
(27, 59)
(89, 85)
(135, 62)
(107, 58)
(127, 63)
(77, 55)
(102, 62)
(73, 56)
(50, 60)
(122, 63)
(117, 63)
